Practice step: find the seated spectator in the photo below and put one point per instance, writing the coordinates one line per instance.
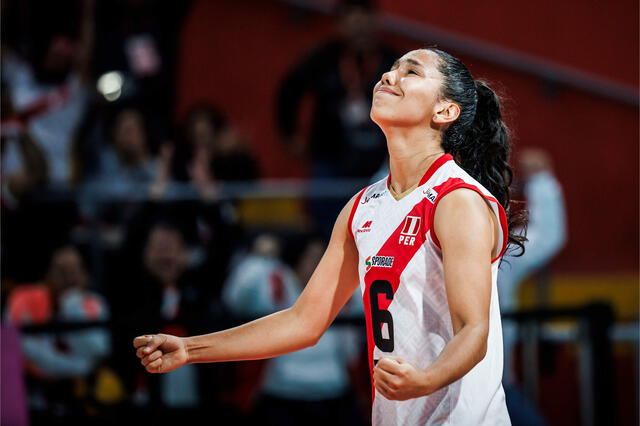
(161, 294)
(293, 393)
(216, 150)
(126, 168)
(56, 360)
(127, 165)
(210, 152)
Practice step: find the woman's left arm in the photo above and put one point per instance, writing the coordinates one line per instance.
(466, 228)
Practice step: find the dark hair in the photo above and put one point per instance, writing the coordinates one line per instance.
(479, 140)
(114, 115)
(165, 224)
(63, 245)
(210, 113)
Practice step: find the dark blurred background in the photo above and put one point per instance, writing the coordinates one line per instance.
(177, 167)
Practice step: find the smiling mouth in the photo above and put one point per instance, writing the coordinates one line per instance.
(385, 90)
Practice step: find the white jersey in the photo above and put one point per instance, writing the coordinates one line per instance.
(407, 313)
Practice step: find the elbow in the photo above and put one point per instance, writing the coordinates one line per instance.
(310, 342)
(311, 329)
(482, 351)
(483, 338)
(313, 333)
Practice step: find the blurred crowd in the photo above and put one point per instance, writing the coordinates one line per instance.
(112, 225)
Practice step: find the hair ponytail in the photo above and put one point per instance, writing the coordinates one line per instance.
(479, 140)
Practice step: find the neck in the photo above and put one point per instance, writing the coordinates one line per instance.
(411, 152)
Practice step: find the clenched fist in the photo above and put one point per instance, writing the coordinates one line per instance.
(161, 353)
(398, 380)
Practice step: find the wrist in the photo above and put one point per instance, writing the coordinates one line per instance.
(188, 349)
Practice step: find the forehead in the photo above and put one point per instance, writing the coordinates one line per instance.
(427, 59)
(160, 234)
(66, 255)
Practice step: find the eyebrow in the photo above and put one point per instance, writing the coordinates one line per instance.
(410, 60)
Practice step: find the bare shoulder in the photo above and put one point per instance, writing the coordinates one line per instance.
(461, 197)
(462, 212)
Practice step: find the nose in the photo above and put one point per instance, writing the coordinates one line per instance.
(389, 78)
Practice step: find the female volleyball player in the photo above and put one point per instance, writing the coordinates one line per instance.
(424, 245)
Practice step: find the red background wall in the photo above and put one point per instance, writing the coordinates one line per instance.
(234, 54)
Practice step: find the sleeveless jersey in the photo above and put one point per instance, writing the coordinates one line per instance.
(406, 308)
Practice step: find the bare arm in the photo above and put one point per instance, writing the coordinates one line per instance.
(300, 326)
(466, 229)
(86, 42)
(467, 236)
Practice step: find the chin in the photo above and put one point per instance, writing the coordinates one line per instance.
(384, 120)
(378, 115)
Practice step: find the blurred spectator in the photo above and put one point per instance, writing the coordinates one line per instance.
(217, 149)
(161, 295)
(126, 166)
(546, 235)
(339, 75)
(293, 393)
(51, 93)
(24, 167)
(210, 152)
(57, 361)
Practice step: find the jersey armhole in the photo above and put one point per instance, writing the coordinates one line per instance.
(353, 211)
(502, 216)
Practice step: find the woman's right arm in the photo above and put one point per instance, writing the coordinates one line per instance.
(332, 283)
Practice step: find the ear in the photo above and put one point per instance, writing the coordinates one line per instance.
(446, 112)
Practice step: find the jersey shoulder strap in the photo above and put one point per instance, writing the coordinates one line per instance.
(457, 178)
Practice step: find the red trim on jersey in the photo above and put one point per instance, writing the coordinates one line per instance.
(435, 166)
(353, 211)
(370, 342)
(457, 183)
(430, 171)
(402, 255)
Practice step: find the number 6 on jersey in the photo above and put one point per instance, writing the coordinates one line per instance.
(380, 317)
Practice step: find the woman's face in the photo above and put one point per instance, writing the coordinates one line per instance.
(408, 94)
(202, 132)
(165, 255)
(129, 135)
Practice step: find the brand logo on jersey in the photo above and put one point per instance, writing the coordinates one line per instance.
(366, 227)
(409, 230)
(378, 262)
(366, 199)
(431, 195)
